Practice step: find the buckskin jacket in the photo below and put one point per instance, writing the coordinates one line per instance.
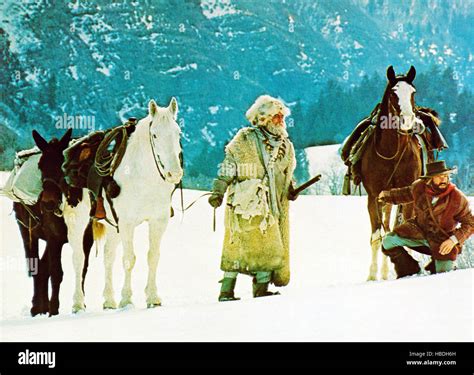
(257, 237)
(451, 216)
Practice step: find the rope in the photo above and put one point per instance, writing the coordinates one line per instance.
(388, 183)
(379, 154)
(193, 202)
(106, 162)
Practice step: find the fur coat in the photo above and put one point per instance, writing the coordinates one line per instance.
(452, 213)
(256, 242)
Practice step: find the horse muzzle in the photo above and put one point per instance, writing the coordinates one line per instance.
(49, 202)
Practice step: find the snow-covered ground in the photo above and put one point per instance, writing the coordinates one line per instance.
(327, 299)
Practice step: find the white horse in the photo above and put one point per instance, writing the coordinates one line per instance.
(147, 176)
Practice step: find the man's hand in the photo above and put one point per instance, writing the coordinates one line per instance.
(291, 193)
(219, 188)
(446, 247)
(382, 197)
(215, 200)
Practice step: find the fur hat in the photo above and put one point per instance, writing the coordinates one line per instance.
(264, 108)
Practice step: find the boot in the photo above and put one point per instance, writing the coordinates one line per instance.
(261, 290)
(404, 264)
(100, 209)
(227, 290)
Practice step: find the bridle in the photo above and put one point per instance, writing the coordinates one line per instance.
(407, 133)
(57, 211)
(156, 156)
(160, 167)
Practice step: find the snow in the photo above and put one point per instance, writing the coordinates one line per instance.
(327, 299)
(217, 8)
(214, 109)
(325, 160)
(104, 70)
(73, 71)
(178, 69)
(208, 136)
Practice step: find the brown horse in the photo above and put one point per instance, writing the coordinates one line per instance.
(44, 221)
(392, 158)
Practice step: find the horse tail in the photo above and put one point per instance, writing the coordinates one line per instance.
(98, 230)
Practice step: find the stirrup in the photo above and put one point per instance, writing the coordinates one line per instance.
(346, 187)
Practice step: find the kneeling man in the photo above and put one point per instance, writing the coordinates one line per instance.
(443, 221)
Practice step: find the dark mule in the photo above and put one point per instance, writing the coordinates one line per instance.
(43, 220)
(392, 158)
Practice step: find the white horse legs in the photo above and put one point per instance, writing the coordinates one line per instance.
(385, 267)
(78, 263)
(128, 261)
(156, 230)
(110, 248)
(375, 243)
(387, 213)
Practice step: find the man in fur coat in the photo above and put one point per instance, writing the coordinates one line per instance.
(257, 174)
(443, 221)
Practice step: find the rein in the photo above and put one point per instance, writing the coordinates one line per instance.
(403, 133)
(159, 166)
(58, 212)
(156, 156)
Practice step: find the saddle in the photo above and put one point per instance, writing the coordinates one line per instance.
(81, 169)
(355, 145)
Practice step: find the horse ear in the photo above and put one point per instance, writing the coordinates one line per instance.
(39, 140)
(173, 107)
(66, 138)
(152, 107)
(411, 74)
(391, 75)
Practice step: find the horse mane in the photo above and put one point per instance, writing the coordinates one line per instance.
(383, 105)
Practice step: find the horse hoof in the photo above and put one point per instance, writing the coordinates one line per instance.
(153, 305)
(78, 308)
(126, 304)
(372, 278)
(53, 313)
(37, 311)
(109, 305)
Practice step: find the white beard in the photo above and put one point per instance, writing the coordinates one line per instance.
(277, 129)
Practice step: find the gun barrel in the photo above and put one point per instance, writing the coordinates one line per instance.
(307, 184)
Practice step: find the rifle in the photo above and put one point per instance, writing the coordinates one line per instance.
(293, 193)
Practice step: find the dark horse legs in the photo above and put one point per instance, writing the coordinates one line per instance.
(40, 286)
(37, 268)
(56, 274)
